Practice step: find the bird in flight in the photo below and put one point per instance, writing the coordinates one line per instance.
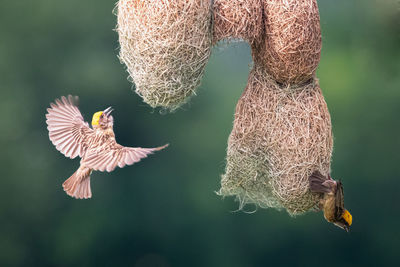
(96, 146)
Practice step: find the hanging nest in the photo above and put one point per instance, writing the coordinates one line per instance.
(291, 48)
(238, 19)
(279, 138)
(165, 46)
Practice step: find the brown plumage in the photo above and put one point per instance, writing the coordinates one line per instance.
(96, 146)
(332, 199)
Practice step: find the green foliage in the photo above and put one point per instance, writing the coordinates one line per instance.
(163, 211)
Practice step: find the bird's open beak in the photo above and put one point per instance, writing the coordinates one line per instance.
(108, 111)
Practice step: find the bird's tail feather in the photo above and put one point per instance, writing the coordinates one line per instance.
(78, 185)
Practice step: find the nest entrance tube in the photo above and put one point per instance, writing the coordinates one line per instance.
(279, 138)
(165, 46)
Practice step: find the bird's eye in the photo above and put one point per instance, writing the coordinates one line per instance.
(101, 116)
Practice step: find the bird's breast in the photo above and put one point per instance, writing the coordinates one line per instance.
(100, 140)
(329, 208)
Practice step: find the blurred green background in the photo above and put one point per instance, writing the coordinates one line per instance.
(163, 211)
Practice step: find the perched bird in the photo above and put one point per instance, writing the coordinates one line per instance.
(96, 146)
(332, 200)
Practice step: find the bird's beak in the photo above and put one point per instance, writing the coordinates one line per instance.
(108, 111)
(343, 226)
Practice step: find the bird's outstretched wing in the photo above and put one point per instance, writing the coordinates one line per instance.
(112, 155)
(67, 130)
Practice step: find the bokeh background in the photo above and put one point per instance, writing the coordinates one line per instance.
(164, 211)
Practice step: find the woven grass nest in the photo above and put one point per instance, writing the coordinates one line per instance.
(291, 47)
(165, 46)
(285, 34)
(279, 138)
(238, 19)
(282, 129)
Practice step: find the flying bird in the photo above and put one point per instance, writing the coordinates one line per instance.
(96, 146)
(331, 199)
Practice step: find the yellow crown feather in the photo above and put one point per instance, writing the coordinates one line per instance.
(96, 118)
(347, 217)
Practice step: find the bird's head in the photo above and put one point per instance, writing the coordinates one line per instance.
(345, 221)
(103, 119)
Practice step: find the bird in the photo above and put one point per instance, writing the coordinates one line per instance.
(331, 199)
(96, 146)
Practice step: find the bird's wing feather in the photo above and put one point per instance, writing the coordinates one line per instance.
(67, 130)
(339, 198)
(321, 184)
(112, 155)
